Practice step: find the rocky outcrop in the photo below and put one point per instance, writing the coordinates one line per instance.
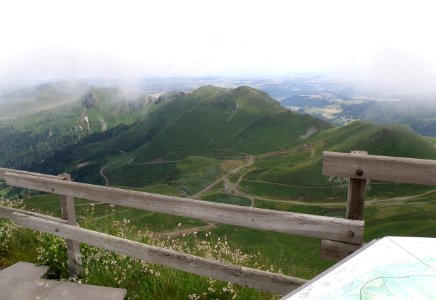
(89, 101)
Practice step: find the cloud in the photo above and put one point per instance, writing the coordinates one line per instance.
(398, 72)
(50, 63)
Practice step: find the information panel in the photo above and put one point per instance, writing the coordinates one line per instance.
(391, 268)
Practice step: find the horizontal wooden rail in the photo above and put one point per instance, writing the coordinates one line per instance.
(5, 170)
(349, 231)
(185, 262)
(8, 213)
(385, 168)
(332, 250)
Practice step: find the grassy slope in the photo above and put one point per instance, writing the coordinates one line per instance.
(218, 123)
(52, 129)
(210, 122)
(303, 167)
(295, 162)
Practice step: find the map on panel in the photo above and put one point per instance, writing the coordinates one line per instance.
(392, 268)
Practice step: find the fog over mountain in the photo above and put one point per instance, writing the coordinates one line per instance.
(381, 46)
(400, 73)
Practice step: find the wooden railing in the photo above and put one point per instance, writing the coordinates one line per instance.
(339, 236)
(359, 168)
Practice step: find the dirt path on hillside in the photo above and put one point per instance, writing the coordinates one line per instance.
(151, 162)
(397, 199)
(250, 196)
(289, 185)
(130, 162)
(233, 189)
(250, 161)
(101, 172)
(102, 169)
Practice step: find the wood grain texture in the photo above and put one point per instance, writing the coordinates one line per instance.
(385, 168)
(336, 251)
(25, 289)
(73, 247)
(5, 170)
(350, 231)
(7, 213)
(356, 197)
(24, 270)
(197, 265)
(356, 194)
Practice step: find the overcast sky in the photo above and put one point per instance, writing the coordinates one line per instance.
(43, 40)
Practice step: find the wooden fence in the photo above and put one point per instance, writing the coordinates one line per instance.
(339, 237)
(359, 168)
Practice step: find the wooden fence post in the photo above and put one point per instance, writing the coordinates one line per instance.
(356, 194)
(335, 250)
(73, 247)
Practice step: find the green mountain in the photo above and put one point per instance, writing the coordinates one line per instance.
(304, 166)
(182, 142)
(65, 114)
(184, 145)
(210, 121)
(235, 146)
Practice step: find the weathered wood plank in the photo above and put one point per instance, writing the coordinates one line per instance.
(385, 168)
(336, 251)
(6, 170)
(356, 197)
(24, 270)
(73, 247)
(356, 194)
(197, 265)
(349, 231)
(18, 289)
(7, 213)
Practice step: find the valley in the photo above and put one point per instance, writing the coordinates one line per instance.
(228, 145)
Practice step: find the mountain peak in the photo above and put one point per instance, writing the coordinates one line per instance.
(208, 91)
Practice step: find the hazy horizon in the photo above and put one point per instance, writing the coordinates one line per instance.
(379, 45)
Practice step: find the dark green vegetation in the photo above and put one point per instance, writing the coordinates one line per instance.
(38, 122)
(236, 146)
(143, 280)
(210, 122)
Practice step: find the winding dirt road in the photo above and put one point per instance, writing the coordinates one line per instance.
(250, 161)
(130, 162)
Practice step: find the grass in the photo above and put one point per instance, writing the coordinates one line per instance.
(156, 222)
(337, 210)
(277, 191)
(206, 136)
(181, 178)
(142, 279)
(293, 255)
(131, 175)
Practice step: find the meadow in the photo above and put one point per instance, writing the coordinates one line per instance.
(232, 160)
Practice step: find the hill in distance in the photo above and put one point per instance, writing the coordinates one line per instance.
(30, 100)
(109, 137)
(50, 117)
(212, 126)
(238, 146)
(419, 114)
